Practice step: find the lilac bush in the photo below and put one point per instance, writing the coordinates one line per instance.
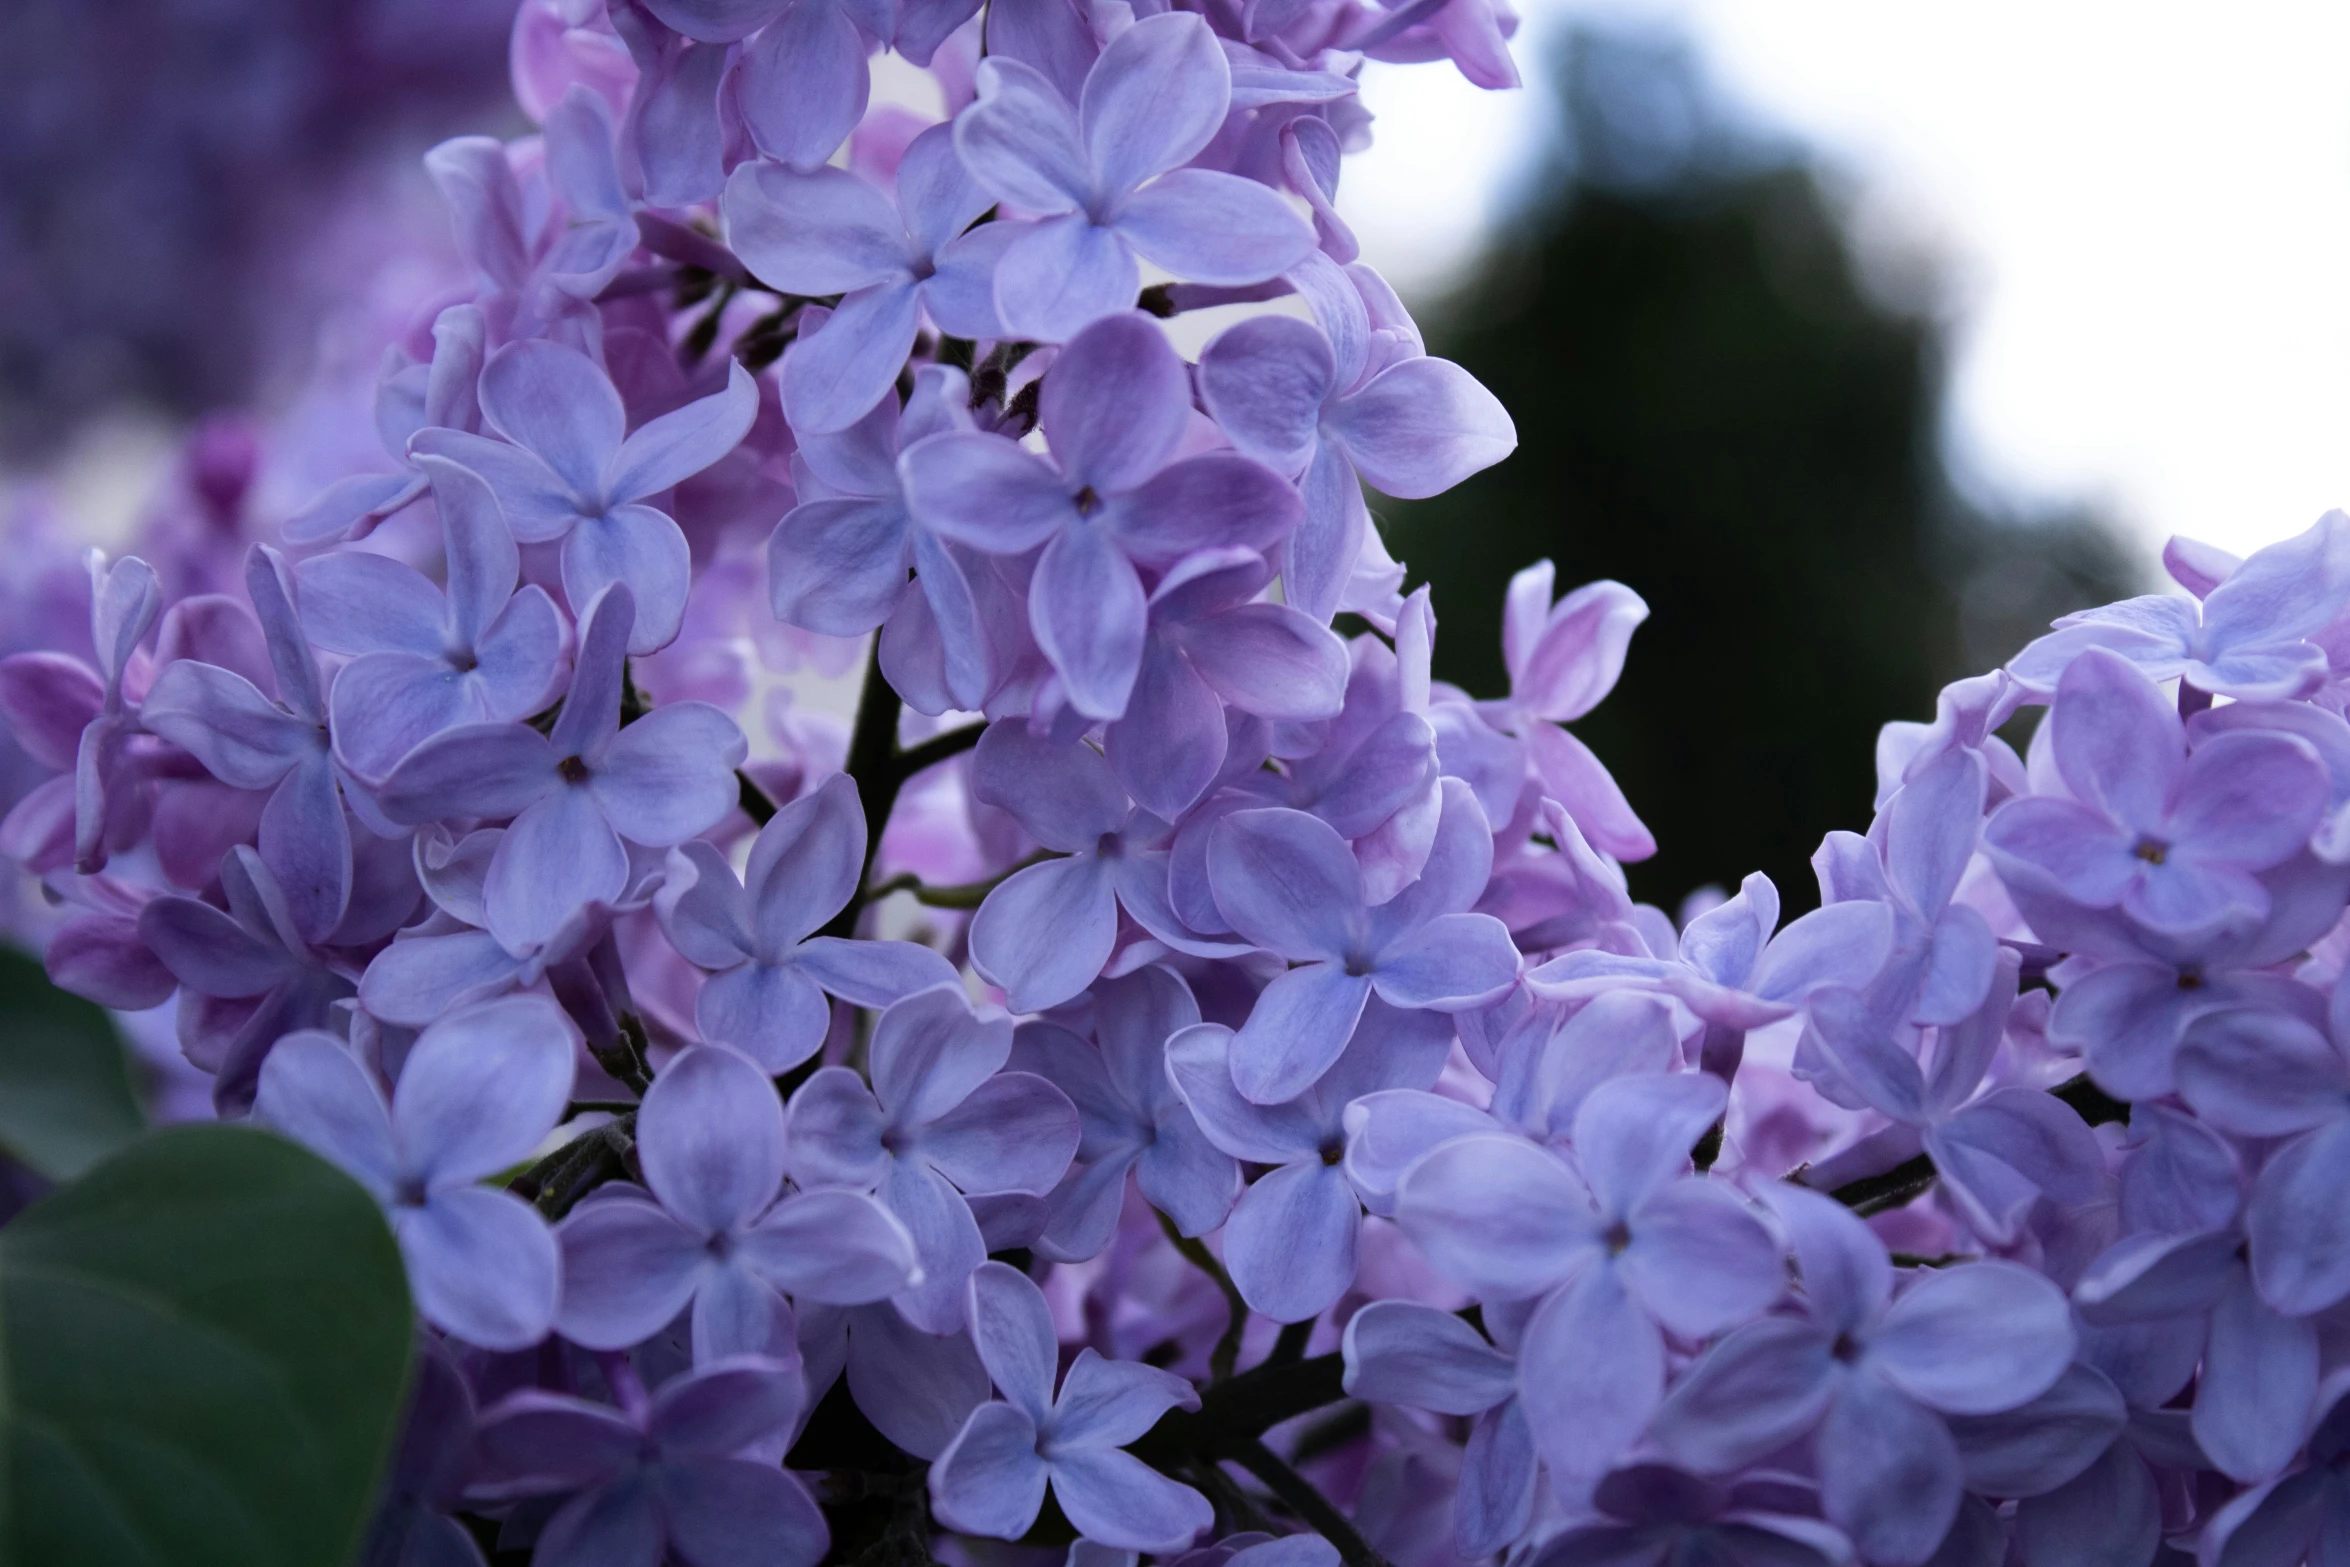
(1167, 1076)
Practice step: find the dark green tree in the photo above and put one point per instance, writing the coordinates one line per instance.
(1713, 408)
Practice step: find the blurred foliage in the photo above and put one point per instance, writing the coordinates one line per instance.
(1714, 407)
(66, 1095)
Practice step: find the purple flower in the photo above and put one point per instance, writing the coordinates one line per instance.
(2294, 1518)
(1873, 1375)
(2172, 838)
(1322, 405)
(1401, 1352)
(1212, 648)
(570, 475)
(438, 394)
(942, 1122)
(1129, 1116)
(1290, 1244)
(1653, 1512)
(801, 81)
(247, 974)
(1288, 882)
(479, 1090)
(710, 1139)
(1154, 99)
(576, 792)
(837, 562)
(1623, 1253)
(427, 659)
(250, 742)
(2251, 639)
(1048, 930)
(991, 1480)
(826, 231)
(412, 1526)
(1114, 408)
(769, 971)
(664, 1478)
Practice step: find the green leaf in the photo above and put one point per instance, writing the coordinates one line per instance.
(66, 1098)
(203, 1349)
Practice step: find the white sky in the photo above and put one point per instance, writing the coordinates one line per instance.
(2143, 211)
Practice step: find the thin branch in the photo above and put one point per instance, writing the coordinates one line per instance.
(1290, 1347)
(872, 767)
(1299, 1495)
(1227, 1351)
(929, 753)
(753, 799)
(955, 895)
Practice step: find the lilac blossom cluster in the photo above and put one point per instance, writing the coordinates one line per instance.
(1172, 1075)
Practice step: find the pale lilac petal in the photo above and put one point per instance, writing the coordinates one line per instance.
(642, 548)
(553, 400)
(1700, 1261)
(670, 775)
(873, 973)
(1199, 1064)
(834, 376)
(702, 908)
(1976, 1339)
(417, 978)
(1113, 1498)
(1086, 607)
(1270, 660)
(1264, 381)
(813, 232)
(1889, 1472)
(557, 857)
(2299, 1231)
(1116, 402)
(833, 1131)
(1063, 793)
(1014, 1133)
(839, 1247)
(1020, 139)
(1930, 829)
(1297, 1030)
(711, 1139)
(1290, 1243)
(2153, 1276)
(1389, 1130)
(1401, 1352)
(1213, 228)
(358, 603)
(959, 297)
(1572, 653)
(1062, 275)
(1593, 1368)
(314, 1091)
(386, 704)
(1421, 426)
(628, 1270)
(1288, 882)
(2116, 740)
(1214, 501)
(483, 1266)
(1154, 99)
(242, 738)
(1761, 1387)
(1497, 1215)
(984, 491)
(481, 1088)
(667, 450)
(1169, 745)
(1859, 1042)
(208, 951)
(1633, 1134)
(1500, 1471)
(2259, 1379)
(1045, 933)
(772, 1013)
(2040, 1446)
(802, 84)
(306, 839)
(736, 1510)
(538, 503)
(946, 1240)
(1012, 1328)
(990, 1481)
(1109, 1403)
(488, 770)
(1846, 1275)
(838, 566)
(357, 502)
(917, 1388)
(2110, 1515)
(805, 864)
(1453, 961)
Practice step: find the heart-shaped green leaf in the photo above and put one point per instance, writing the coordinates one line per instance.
(66, 1099)
(203, 1346)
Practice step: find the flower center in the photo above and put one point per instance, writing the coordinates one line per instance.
(2151, 850)
(1087, 502)
(572, 770)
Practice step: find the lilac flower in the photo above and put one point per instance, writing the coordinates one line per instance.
(1129, 1116)
(1401, 1352)
(1101, 175)
(250, 742)
(1288, 883)
(248, 975)
(438, 394)
(2251, 639)
(478, 1092)
(1290, 1244)
(76, 719)
(1621, 1254)
(1563, 659)
(1998, 1152)
(577, 791)
(1048, 930)
(569, 475)
(710, 1139)
(1211, 648)
(664, 1478)
(412, 1526)
(992, 1479)
(1114, 408)
(838, 561)
(1653, 1512)
(426, 659)
(1873, 1375)
(1319, 404)
(942, 1122)
(2296, 1517)
(769, 972)
(2174, 839)
(826, 231)
(801, 79)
